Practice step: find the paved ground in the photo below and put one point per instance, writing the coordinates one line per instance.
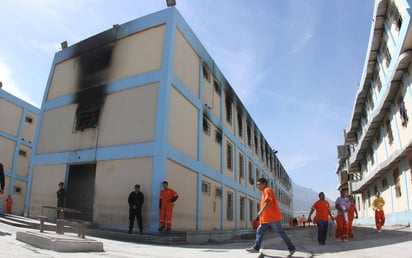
(391, 242)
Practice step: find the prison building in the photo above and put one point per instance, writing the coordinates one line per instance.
(141, 103)
(377, 152)
(18, 121)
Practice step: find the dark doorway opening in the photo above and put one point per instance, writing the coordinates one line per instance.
(80, 189)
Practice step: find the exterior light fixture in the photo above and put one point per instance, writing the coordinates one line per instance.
(170, 3)
(63, 44)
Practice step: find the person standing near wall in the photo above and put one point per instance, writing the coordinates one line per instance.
(2, 179)
(322, 208)
(377, 206)
(168, 196)
(135, 200)
(61, 193)
(9, 204)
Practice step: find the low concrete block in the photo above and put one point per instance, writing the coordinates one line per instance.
(59, 243)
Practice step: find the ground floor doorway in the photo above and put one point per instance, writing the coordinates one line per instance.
(80, 189)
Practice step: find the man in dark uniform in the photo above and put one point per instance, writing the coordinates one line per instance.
(136, 199)
(2, 180)
(60, 200)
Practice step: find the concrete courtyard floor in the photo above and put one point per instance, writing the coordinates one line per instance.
(393, 241)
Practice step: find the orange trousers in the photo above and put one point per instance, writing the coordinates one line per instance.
(379, 219)
(351, 234)
(341, 228)
(166, 215)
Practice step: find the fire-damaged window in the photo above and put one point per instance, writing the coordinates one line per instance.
(87, 116)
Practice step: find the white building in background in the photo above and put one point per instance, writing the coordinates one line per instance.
(377, 150)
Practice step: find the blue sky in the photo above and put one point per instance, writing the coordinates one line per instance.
(295, 64)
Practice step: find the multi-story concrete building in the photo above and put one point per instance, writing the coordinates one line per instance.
(17, 128)
(141, 103)
(377, 150)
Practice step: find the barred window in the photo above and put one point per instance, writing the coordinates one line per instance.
(229, 156)
(206, 73)
(389, 132)
(205, 187)
(241, 166)
(206, 126)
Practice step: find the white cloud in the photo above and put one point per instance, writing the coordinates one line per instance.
(10, 85)
(302, 42)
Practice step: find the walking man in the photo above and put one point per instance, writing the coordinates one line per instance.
(168, 196)
(377, 206)
(322, 208)
(270, 217)
(136, 200)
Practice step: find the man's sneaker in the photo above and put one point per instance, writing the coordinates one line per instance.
(161, 228)
(291, 252)
(166, 230)
(251, 250)
(345, 240)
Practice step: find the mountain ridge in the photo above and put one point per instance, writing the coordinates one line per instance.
(304, 198)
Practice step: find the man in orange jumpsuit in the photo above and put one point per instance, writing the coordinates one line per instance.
(167, 198)
(352, 214)
(377, 206)
(9, 202)
(342, 205)
(270, 217)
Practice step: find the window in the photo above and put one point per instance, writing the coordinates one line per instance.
(29, 119)
(384, 183)
(403, 113)
(249, 135)
(229, 156)
(371, 156)
(250, 171)
(218, 136)
(395, 17)
(377, 80)
(397, 180)
(87, 116)
(206, 73)
(378, 138)
(370, 101)
(217, 87)
(229, 207)
(256, 142)
(218, 192)
(368, 196)
(206, 126)
(251, 217)
(17, 189)
(240, 123)
(257, 173)
(205, 187)
(228, 105)
(241, 166)
(385, 54)
(242, 208)
(389, 132)
(22, 153)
